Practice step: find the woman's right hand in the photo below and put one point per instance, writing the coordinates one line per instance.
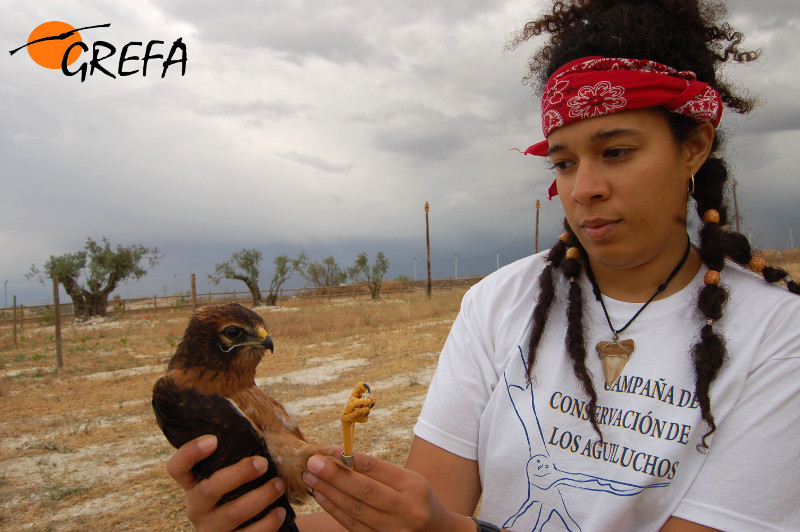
(202, 496)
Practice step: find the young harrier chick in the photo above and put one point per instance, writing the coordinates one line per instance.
(210, 388)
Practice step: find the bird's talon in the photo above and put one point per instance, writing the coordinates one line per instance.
(356, 411)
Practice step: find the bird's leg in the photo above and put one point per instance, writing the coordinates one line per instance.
(356, 411)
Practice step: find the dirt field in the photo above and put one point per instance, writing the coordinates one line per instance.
(788, 259)
(80, 450)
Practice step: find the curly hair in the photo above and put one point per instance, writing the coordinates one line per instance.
(686, 35)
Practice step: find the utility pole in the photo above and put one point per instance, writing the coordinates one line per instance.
(415, 268)
(538, 204)
(428, 240)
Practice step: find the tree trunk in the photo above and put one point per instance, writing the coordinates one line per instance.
(374, 289)
(80, 308)
(97, 304)
(255, 293)
(272, 300)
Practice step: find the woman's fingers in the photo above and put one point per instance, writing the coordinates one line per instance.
(332, 485)
(181, 463)
(270, 523)
(234, 513)
(384, 472)
(202, 496)
(359, 501)
(356, 485)
(348, 511)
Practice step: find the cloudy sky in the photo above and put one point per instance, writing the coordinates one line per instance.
(321, 126)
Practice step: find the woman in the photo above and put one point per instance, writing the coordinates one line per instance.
(673, 404)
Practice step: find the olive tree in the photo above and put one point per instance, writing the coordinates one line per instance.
(245, 266)
(371, 275)
(284, 268)
(325, 273)
(91, 274)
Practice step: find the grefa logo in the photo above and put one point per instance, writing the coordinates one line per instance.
(57, 44)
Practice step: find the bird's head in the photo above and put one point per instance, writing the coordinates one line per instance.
(225, 338)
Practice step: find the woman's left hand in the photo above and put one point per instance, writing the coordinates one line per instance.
(378, 495)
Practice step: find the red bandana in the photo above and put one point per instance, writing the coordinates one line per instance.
(595, 86)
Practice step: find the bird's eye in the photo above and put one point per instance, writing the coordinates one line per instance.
(234, 333)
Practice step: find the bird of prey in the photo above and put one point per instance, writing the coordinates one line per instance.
(210, 388)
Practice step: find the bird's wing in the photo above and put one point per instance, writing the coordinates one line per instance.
(185, 414)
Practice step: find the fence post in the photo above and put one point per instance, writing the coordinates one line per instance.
(194, 294)
(15, 321)
(234, 296)
(155, 305)
(57, 320)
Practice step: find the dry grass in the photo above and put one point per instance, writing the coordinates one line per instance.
(80, 450)
(788, 259)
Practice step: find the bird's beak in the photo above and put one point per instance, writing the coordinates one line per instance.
(266, 341)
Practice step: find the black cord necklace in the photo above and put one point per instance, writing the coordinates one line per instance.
(615, 354)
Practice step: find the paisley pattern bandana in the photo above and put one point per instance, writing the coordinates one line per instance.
(596, 86)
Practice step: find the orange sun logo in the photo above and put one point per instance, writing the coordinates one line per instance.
(49, 41)
(57, 45)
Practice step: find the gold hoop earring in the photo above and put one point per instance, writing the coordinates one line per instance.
(691, 185)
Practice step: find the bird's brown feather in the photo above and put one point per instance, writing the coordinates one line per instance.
(184, 414)
(290, 448)
(210, 389)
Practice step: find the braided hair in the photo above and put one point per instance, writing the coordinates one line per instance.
(686, 35)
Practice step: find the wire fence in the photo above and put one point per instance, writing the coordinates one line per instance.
(19, 317)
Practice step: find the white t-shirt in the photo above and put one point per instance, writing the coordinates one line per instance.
(541, 464)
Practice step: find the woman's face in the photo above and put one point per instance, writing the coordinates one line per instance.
(622, 180)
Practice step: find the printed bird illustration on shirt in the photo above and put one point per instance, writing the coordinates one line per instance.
(544, 502)
(210, 388)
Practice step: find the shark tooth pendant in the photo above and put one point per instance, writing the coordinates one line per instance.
(614, 355)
